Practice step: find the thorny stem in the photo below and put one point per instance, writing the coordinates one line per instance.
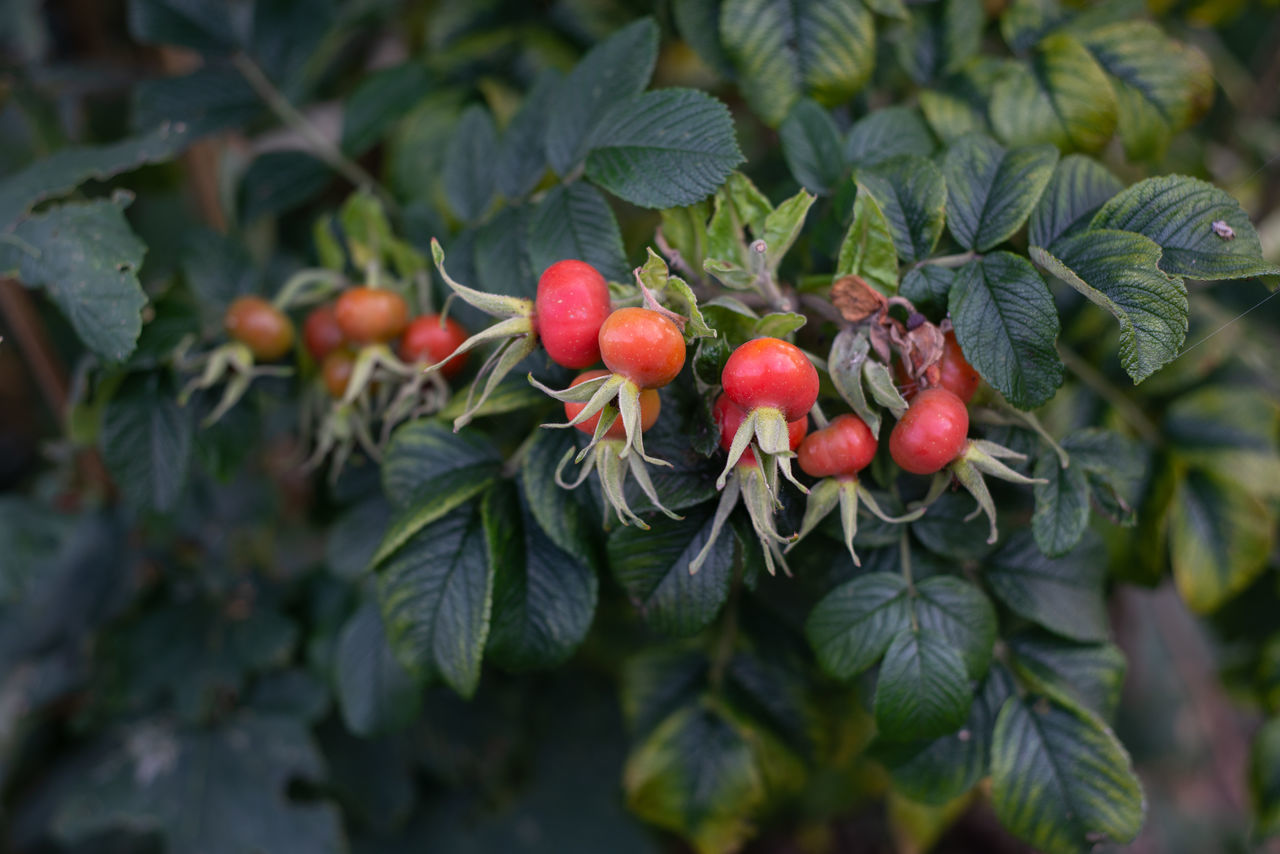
(321, 145)
(1101, 386)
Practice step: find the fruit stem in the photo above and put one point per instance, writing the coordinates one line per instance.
(904, 550)
(957, 260)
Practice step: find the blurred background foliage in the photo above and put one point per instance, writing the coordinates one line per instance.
(218, 627)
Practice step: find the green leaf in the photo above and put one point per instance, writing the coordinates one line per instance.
(783, 50)
(852, 626)
(958, 612)
(698, 22)
(417, 147)
(286, 35)
(867, 249)
(1179, 213)
(205, 27)
(991, 190)
(64, 170)
(1118, 270)
(280, 181)
(612, 71)
(653, 568)
(184, 783)
(1114, 465)
(1160, 85)
(1220, 538)
(939, 38)
(375, 692)
(657, 681)
(428, 471)
(560, 515)
(696, 774)
(923, 690)
(354, 537)
(1090, 674)
(468, 164)
(782, 227)
(543, 597)
(936, 771)
(502, 254)
(928, 288)
(958, 104)
(1062, 505)
(1060, 778)
(522, 153)
(436, 593)
(575, 221)
(644, 142)
(1228, 430)
(913, 195)
(209, 99)
(382, 99)
(1079, 186)
(811, 147)
(1062, 594)
(146, 441)
(1007, 326)
(1024, 22)
(887, 133)
(1061, 96)
(86, 258)
(1264, 776)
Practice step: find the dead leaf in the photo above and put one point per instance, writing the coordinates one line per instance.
(855, 299)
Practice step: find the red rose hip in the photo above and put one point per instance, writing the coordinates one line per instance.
(572, 303)
(841, 449)
(650, 407)
(427, 341)
(770, 372)
(931, 433)
(643, 346)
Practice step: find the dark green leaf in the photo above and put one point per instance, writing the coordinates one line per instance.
(657, 681)
(375, 692)
(1114, 465)
(468, 164)
(64, 170)
(783, 50)
(938, 770)
(197, 24)
(415, 155)
(1064, 594)
(928, 288)
(543, 597)
(184, 783)
(852, 626)
(286, 34)
(811, 147)
(1118, 271)
(1264, 776)
(698, 22)
(1060, 96)
(653, 567)
(950, 529)
(958, 104)
(939, 38)
(575, 221)
(1079, 186)
(1220, 538)
(429, 470)
(1024, 22)
(382, 99)
(959, 613)
(208, 99)
(887, 133)
(663, 149)
(1179, 214)
(436, 596)
(613, 70)
(913, 196)
(502, 254)
(1090, 674)
(354, 537)
(279, 181)
(1160, 85)
(991, 190)
(522, 153)
(559, 514)
(146, 442)
(86, 258)
(1060, 779)
(923, 691)
(1007, 326)
(1062, 505)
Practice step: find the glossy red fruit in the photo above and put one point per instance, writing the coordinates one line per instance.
(321, 332)
(931, 433)
(730, 417)
(371, 315)
(571, 304)
(336, 370)
(643, 346)
(260, 326)
(769, 372)
(650, 407)
(427, 341)
(956, 374)
(841, 449)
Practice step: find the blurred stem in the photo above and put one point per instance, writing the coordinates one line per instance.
(957, 260)
(1128, 410)
(904, 551)
(321, 146)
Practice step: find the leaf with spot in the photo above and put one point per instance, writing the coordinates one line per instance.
(1119, 271)
(1007, 325)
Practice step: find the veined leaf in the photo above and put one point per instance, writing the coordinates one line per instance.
(575, 221)
(1090, 674)
(1064, 594)
(913, 196)
(867, 249)
(887, 133)
(939, 38)
(1179, 214)
(991, 190)
(923, 689)
(1079, 186)
(852, 626)
(811, 147)
(961, 614)
(1062, 505)
(1007, 326)
(468, 164)
(1119, 271)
